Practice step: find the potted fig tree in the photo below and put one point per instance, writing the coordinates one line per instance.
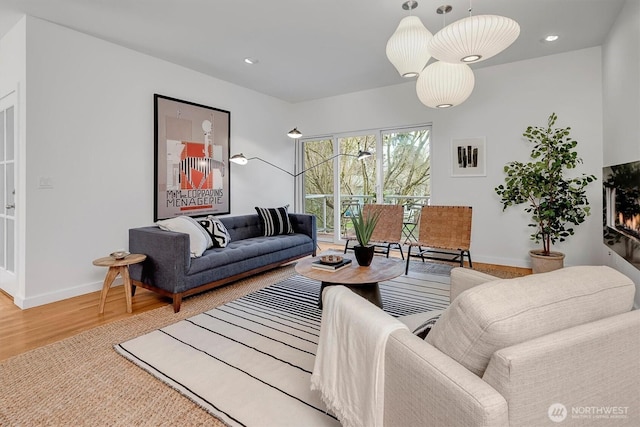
(555, 201)
(363, 225)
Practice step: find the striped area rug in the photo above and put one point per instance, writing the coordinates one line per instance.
(249, 362)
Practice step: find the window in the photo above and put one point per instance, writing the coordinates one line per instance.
(399, 172)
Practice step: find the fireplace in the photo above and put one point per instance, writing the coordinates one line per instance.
(621, 191)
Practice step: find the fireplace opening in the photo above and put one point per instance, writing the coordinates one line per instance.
(621, 191)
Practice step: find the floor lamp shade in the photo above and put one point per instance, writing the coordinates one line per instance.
(474, 38)
(443, 85)
(407, 47)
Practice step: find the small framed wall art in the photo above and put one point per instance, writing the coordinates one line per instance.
(468, 157)
(191, 159)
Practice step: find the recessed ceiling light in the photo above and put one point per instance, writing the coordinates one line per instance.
(551, 38)
(250, 61)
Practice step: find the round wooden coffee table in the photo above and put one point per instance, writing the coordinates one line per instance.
(117, 267)
(361, 280)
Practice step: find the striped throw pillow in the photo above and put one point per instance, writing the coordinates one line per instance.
(275, 220)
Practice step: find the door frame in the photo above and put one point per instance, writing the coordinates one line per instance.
(9, 279)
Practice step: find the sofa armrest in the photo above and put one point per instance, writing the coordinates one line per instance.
(593, 365)
(465, 278)
(425, 387)
(305, 224)
(168, 257)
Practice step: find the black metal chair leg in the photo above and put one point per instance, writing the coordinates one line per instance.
(406, 270)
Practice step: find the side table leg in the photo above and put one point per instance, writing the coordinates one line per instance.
(124, 272)
(112, 273)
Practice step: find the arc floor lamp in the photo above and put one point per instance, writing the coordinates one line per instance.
(240, 159)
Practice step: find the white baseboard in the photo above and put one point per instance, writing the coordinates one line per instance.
(37, 300)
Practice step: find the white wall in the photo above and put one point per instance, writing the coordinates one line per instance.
(621, 84)
(506, 99)
(90, 130)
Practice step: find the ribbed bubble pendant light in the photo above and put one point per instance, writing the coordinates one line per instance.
(407, 47)
(443, 85)
(474, 38)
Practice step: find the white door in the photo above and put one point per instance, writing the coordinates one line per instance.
(8, 173)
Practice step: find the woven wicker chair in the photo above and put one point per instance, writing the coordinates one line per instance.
(388, 232)
(443, 230)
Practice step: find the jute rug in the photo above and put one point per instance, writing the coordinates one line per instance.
(82, 381)
(260, 351)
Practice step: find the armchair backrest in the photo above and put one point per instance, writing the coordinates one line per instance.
(389, 226)
(445, 227)
(502, 313)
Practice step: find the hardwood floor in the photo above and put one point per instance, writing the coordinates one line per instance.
(23, 330)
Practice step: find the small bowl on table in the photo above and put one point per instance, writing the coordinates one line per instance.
(331, 259)
(118, 255)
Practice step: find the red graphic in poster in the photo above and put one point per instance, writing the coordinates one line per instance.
(195, 172)
(195, 167)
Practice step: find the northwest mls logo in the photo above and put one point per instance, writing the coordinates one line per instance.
(557, 412)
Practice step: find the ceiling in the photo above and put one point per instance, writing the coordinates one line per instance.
(307, 49)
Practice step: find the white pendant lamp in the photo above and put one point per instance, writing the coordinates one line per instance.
(474, 39)
(407, 47)
(443, 85)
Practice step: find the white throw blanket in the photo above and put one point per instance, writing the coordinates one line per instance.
(349, 365)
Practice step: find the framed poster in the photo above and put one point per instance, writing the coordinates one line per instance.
(191, 159)
(468, 157)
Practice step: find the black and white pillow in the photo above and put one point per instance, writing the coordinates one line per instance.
(216, 229)
(423, 329)
(275, 220)
(420, 324)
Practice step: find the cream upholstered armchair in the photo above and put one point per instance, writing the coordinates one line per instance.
(528, 351)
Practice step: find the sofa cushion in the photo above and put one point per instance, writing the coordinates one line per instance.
(199, 239)
(247, 249)
(216, 229)
(505, 312)
(275, 220)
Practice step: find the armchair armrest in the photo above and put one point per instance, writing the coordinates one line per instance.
(465, 278)
(595, 364)
(425, 387)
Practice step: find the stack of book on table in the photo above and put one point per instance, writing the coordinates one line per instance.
(321, 265)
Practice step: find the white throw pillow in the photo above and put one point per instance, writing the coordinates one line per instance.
(199, 239)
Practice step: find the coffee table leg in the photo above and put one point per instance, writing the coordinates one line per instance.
(368, 291)
(322, 286)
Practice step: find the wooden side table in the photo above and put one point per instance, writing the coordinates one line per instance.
(121, 267)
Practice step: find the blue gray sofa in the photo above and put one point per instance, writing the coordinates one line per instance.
(170, 271)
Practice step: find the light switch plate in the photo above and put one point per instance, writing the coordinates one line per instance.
(45, 183)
